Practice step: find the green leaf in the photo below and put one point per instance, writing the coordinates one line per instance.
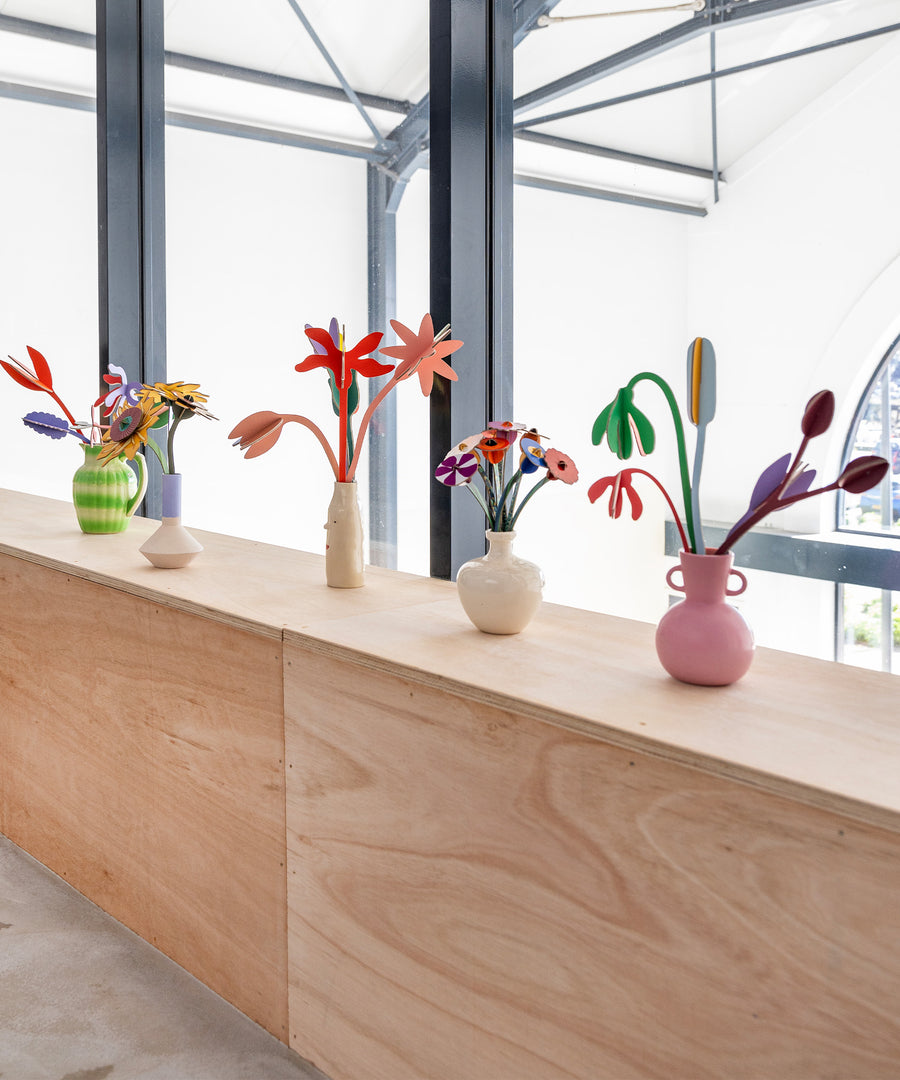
(352, 394)
(161, 421)
(601, 423)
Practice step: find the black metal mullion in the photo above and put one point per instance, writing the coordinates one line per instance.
(471, 240)
(131, 195)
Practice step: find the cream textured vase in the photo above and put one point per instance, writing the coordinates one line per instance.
(500, 592)
(344, 567)
(171, 546)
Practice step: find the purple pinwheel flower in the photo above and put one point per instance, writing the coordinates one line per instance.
(457, 469)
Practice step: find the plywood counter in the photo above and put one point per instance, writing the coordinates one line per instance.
(414, 851)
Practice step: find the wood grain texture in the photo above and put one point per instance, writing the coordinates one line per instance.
(793, 726)
(476, 894)
(141, 758)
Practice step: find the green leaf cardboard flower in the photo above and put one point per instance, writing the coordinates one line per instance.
(624, 426)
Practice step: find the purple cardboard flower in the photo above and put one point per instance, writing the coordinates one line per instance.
(457, 469)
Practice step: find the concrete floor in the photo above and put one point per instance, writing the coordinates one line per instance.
(82, 998)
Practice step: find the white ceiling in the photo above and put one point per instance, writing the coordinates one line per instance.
(381, 46)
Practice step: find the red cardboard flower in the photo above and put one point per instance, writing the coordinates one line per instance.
(343, 364)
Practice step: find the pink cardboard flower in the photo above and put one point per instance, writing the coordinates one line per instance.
(421, 353)
(561, 466)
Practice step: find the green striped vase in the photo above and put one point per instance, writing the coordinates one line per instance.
(105, 495)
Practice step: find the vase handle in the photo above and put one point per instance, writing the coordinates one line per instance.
(671, 583)
(141, 488)
(736, 592)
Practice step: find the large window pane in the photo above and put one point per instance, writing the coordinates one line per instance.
(768, 263)
(48, 208)
(269, 229)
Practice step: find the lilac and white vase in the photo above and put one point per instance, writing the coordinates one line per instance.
(171, 546)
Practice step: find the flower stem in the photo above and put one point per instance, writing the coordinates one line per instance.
(668, 498)
(537, 487)
(682, 451)
(481, 501)
(317, 431)
(364, 423)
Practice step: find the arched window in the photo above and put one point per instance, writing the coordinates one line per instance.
(871, 616)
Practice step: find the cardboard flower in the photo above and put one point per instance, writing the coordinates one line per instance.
(122, 393)
(618, 486)
(128, 431)
(39, 377)
(258, 432)
(561, 466)
(457, 469)
(184, 398)
(487, 455)
(421, 353)
(493, 447)
(342, 364)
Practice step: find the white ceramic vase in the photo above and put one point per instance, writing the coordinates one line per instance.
(500, 592)
(344, 567)
(171, 546)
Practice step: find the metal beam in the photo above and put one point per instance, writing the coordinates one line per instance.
(471, 180)
(526, 14)
(131, 195)
(79, 38)
(696, 80)
(659, 43)
(808, 557)
(282, 82)
(615, 155)
(607, 196)
(382, 248)
(271, 135)
(352, 95)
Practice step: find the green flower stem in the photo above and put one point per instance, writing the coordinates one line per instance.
(156, 450)
(170, 442)
(481, 501)
(500, 509)
(682, 450)
(537, 487)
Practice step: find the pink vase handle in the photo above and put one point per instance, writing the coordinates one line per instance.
(671, 583)
(734, 592)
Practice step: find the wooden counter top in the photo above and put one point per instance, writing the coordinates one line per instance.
(820, 733)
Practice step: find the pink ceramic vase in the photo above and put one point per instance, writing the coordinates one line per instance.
(703, 639)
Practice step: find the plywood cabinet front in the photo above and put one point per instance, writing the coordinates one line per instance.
(475, 894)
(141, 758)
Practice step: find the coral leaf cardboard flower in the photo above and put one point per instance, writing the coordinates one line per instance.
(561, 466)
(258, 432)
(343, 364)
(420, 353)
(457, 469)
